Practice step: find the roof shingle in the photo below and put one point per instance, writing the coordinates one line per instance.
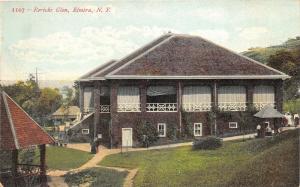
(18, 129)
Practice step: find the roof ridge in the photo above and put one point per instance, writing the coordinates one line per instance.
(133, 54)
(250, 59)
(30, 117)
(11, 123)
(170, 35)
(94, 71)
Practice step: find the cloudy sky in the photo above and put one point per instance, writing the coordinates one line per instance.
(64, 46)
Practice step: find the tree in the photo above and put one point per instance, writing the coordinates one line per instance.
(289, 63)
(38, 103)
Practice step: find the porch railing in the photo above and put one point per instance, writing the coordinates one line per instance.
(104, 108)
(129, 107)
(192, 107)
(232, 106)
(260, 105)
(161, 107)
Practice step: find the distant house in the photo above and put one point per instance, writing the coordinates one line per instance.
(175, 82)
(64, 114)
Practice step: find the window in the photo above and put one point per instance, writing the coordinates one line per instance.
(233, 125)
(128, 99)
(197, 129)
(196, 98)
(88, 99)
(85, 131)
(262, 96)
(232, 98)
(161, 128)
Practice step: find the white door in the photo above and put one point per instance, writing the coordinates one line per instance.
(126, 137)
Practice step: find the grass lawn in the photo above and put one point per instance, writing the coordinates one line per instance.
(262, 162)
(96, 177)
(65, 158)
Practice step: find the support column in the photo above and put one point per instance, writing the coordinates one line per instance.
(279, 95)
(14, 162)
(179, 106)
(96, 115)
(43, 164)
(81, 98)
(250, 91)
(113, 110)
(215, 106)
(143, 94)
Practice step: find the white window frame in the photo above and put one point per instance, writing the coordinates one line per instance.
(165, 129)
(197, 129)
(233, 123)
(87, 131)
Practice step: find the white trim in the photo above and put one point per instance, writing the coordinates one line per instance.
(165, 129)
(91, 73)
(85, 133)
(140, 55)
(31, 118)
(198, 77)
(201, 128)
(233, 123)
(13, 130)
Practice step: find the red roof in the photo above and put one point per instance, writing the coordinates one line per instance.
(17, 129)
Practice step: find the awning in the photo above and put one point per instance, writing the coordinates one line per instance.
(161, 90)
(268, 112)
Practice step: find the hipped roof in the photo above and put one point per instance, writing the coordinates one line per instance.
(178, 56)
(268, 112)
(69, 111)
(17, 129)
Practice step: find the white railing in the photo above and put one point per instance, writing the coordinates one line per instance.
(129, 107)
(259, 105)
(88, 109)
(104, 108)
(161, 107)
(231, 106)
(192, 107)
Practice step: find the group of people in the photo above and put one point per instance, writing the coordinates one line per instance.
(264, 130)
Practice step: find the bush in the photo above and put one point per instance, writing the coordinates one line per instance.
(209, 142)
(146, 133)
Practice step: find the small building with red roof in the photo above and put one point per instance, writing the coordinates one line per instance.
(19, 131)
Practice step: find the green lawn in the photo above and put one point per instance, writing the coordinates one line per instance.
(96, 177)
(64, 158)
(250, 163)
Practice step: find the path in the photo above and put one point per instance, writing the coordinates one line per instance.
(56, 175)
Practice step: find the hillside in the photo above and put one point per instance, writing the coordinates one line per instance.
(262, 54)
(276, 162)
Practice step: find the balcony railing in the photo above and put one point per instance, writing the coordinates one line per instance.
(192, 107)
(259, 105)
(231, 106)
(161, 107)
(129, 107)
(104, 108)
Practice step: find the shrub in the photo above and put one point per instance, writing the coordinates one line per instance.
(209, 142)
(146, 133)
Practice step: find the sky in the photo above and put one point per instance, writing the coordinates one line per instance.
(66, 45)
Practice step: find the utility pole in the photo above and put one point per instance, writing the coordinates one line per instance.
(36, 77)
